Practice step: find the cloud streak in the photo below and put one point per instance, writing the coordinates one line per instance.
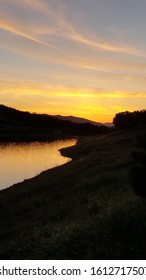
(70, 57)
(79, 61)
(65, 100)
(12, 26)
(54, 22)
(103, 45)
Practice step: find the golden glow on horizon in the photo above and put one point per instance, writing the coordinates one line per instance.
(98, 106)
(86, 60)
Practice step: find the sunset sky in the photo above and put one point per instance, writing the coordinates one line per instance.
(85, 58)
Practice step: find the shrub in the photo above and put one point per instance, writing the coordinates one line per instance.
(138, 169)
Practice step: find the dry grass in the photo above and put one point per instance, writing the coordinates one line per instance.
(84, 209)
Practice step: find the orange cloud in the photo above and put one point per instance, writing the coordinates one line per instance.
(68, 100)
(16, 29)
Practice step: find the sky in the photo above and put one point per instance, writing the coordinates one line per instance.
(85, 58)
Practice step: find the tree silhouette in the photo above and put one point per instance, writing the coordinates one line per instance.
(130, 119)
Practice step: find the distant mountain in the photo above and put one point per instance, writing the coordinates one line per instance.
(13, 121)
(109, 124)
(76, 119)
(82, 120)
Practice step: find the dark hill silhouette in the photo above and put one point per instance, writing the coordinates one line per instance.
(14, 121)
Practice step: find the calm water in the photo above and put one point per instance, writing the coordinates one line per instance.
(26, 160)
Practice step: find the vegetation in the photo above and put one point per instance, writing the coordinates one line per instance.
(85, 209)
(16, 125)
(138, 169)
(130, 119)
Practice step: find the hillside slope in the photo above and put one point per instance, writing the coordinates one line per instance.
(13, 122)
(85, 209)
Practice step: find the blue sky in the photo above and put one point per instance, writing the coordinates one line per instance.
(85, 58)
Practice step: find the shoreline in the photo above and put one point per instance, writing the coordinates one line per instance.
(63, 151)
(7, 138)
(84, 209)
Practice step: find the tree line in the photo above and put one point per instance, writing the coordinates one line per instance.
(130, 119)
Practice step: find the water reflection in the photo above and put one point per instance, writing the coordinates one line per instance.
(19, 161)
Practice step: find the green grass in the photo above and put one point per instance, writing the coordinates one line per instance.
(84, 209)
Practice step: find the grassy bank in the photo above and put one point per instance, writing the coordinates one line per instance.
(84, 209)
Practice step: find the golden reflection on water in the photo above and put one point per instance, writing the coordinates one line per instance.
(19, 161)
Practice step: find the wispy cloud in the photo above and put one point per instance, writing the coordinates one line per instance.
(33, 5)
(10, 25)
(34, 88)
(76, 60)
(77, 63)
(16, 30)
(55, 22)
(85, 102)
(100, 44)
(37, 22)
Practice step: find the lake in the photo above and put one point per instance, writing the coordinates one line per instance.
(19, 161)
